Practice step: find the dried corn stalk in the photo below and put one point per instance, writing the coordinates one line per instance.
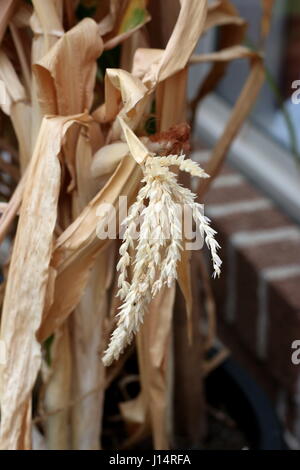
(81, 127)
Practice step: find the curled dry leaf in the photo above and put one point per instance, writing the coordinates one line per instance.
(57, 93)
(121, 85)
(180, 46)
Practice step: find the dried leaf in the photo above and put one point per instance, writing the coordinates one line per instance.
(57, 93)
(153, 342)
(122, 86)
(28, 276)
(47, 29)
(183, 40)
(107, 158)
(76, 250)
(87, 324)
(58, 392)
(222, 13)
(138, 151)
(226, 55)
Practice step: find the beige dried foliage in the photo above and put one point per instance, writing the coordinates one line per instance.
(33, 242)
(8, 8)
(107, 158)
(82, 143)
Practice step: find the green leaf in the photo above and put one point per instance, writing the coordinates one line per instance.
(47, 349)
(138, 17)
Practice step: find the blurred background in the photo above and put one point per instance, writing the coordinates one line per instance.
(255, 207)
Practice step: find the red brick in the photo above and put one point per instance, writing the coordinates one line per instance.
(284, 328)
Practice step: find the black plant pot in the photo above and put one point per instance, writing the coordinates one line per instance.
(233, 388)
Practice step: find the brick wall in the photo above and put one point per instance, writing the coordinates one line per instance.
(258, 294)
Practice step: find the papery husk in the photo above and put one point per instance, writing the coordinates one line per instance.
(122, 86)
(58, 95)
(181, 44)
(21, 115)
(162, 381)
(225, 55)
(222, 13)
(76, 249)
(189, 420)
(88, 343)
(156, 372)
(56, 92)
(46, 24)
(86, 186)
(64, 284)
(136, 148)
(156, 369)
(78, 426)
(17, 107)
(107, 159)
(87, 323)
(58, 392)
(154, 343)
(167, 107)
(28, 275)
(154, 339)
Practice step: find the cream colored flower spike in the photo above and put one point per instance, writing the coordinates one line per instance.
(159, 244)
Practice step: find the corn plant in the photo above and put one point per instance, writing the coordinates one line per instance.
(91, 111)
